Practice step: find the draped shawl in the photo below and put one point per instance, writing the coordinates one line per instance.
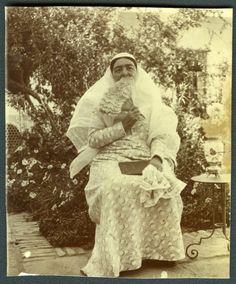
(146, 95)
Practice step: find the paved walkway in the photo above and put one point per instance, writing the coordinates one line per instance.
(30, 252)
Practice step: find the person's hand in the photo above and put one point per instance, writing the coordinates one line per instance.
(127, 105)
(130, 119)
(156, 161)
(121, 116)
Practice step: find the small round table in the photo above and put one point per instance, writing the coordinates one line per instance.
(222, 180)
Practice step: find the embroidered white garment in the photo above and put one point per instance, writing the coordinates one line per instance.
(135, 219)
(132, 224)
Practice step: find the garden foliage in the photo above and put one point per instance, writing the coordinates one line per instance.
(53, 56)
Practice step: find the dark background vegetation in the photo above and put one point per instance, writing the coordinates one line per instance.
(68, 49)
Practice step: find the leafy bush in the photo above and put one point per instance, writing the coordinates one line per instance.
(199, 204)
(53, 56)
(45, 189)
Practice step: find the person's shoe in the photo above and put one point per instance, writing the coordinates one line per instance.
(154, 262)
(166, 263)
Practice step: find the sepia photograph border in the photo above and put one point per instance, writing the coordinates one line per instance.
(3, 222)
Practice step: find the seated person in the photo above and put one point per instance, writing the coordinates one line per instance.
(122, 119)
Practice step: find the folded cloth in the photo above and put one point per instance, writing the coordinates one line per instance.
(158, 185)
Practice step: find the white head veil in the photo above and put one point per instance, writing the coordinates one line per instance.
(146, 96)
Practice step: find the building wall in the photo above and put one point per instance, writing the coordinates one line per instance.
(18, 119)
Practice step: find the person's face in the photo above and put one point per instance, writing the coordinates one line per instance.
(123, 68)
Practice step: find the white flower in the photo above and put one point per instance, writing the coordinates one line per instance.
(54, 190)
(19, 171)
(63, 165)
(10, 182)
(36, 151)
(30, 174)
(27, 254)
(208, 200)
(54, 207)
(24, 162)
(193, 191)
(32, 195)
(68, 194)
(50, 167)
(24, 183)
(45, 176)
(75, 181)
(20, 148)
(62, 203)
(32, 162)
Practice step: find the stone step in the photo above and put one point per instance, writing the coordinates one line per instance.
(34, 242)
(22, 221)
(34, 254)
(60, 252)
(35, 259)
(81, 250)
(70, 251)
(21, 228)
(37, 250)
(24, 226)
(31, 247)
(33, 234)
(29, 237)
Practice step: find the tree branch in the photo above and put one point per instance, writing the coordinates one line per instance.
(20, 89)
